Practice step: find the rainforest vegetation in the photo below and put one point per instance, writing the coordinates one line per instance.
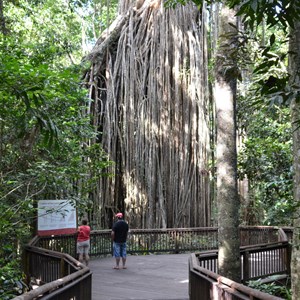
(140, 106)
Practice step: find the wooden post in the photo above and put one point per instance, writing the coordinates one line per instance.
(246, 266)
(288, 258)
(75, 246)
(26, 265)
(62, 268)
(176, 235)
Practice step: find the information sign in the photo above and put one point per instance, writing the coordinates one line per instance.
(56, 217)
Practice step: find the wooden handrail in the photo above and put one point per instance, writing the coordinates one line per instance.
(262, 246)
(204, 277)
(174, 240)
(81, 273)
(66, 257)
(282, 236)
(204, 283)
(177, 241)
(51, 286)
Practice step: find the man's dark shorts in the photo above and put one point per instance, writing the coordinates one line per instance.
(119, 249)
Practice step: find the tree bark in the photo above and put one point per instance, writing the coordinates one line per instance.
(150, 82)
(294, 67)
(110, 36)
(226, 153)
(2, 19)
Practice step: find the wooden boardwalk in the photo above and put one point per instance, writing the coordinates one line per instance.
(147, 277)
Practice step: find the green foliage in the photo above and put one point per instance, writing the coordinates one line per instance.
(254, 12)
(51, 28)
(278, 16)
(283, 12)
(13, 234)
(45, 132)
(265, 158)
(11, 279)
(270, 75)
(96, 16)
(237, 58)
(273, 288)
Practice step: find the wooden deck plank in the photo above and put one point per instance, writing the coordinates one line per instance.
(147, 277)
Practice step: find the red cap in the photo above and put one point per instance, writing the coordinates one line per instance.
(119, 215)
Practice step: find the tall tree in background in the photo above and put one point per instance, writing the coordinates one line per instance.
(149, 83)
(294, 68)
(278, 88)
(226, 153)
(3, 28)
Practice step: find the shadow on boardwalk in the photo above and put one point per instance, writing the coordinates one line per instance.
(147, 277)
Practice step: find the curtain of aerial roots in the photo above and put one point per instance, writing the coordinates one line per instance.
(151, 109)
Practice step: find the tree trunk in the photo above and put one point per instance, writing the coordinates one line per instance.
(227, 193)
(149, 82)
(294, 66)
(2, 19)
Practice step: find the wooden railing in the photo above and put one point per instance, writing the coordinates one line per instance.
(256, 262)
(55, 275)
(205, 284)
(265, 260)
(51, 260)
(147, 241)
(286, 234)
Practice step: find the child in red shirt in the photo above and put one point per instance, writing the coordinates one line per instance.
(83, 242)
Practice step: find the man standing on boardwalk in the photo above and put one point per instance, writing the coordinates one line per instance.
(119, 237)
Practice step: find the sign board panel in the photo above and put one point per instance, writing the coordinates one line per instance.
(56, 217)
